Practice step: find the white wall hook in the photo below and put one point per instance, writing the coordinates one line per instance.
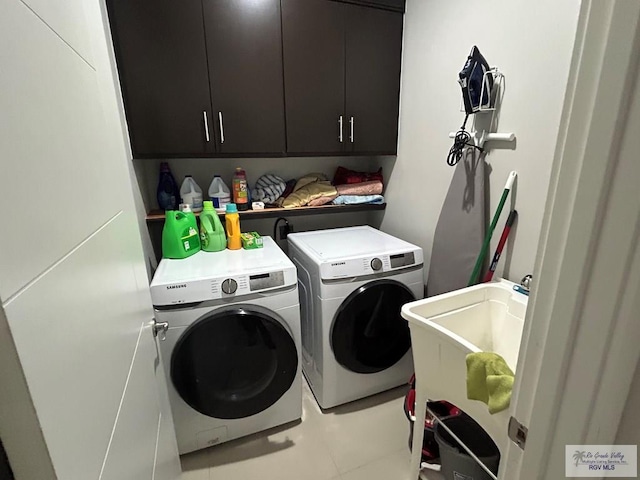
(480, 140)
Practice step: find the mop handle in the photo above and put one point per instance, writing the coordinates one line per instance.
(503, 240)
(487, 239)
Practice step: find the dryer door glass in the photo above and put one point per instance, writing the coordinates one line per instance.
(234, 363)
(368, 334)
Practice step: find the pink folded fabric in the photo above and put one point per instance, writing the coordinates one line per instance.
(373, 187)
(316, 202)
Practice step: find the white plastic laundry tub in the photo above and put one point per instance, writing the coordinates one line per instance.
(446, 328)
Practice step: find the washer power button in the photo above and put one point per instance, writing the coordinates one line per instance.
(376, 264)
(229, 286)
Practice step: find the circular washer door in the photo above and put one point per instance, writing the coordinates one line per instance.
(234, 362)
(368, 334)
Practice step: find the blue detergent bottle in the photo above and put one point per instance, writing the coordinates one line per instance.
(168, 193)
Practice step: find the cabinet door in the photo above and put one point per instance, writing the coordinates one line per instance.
(374, 56)
(244, 46)
(162, 62)
(313, 41)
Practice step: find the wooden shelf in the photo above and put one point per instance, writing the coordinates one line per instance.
(158, 215)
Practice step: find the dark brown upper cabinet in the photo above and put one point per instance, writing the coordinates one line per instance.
(342, 77)
(313, 40)
(204, 78)
(244, 48)
(373, 59)
(162, 63)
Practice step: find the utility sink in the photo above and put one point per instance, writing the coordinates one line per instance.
(446, 328)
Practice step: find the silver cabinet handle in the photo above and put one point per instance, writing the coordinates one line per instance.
(351, 123)
(206, 125)
(221, 127)
(340, 129)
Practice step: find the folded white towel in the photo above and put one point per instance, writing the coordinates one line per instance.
(355, 199)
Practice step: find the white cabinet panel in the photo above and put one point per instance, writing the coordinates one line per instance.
(60, 179)
(66, 18)
(75, 330)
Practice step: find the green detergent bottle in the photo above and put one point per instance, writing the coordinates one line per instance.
(212, 235)
(180, 237)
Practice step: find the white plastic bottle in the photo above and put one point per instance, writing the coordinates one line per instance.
(219, 193)
(191, 193)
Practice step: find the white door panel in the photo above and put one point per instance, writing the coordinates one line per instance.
(59, 170)
(76, 330)
(66, 18)
(131, 456)
(71, 264)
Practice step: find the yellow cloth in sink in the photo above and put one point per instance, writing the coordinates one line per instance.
(490, 380)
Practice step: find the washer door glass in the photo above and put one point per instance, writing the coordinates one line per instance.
(368, 333)
(234, 363)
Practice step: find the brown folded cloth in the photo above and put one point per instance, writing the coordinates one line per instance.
(373, 187)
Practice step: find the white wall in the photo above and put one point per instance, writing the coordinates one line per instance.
(531, 42)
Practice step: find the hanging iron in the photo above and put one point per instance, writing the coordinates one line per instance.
(475, 72)
(476, 81)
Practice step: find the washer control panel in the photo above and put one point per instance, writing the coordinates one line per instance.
(244, 284)
(376, 264)
(229, 286)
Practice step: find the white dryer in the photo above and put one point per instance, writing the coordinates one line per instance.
(353, 282)
(231, 352)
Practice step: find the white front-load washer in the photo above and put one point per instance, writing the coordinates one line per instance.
(232, 349)
(353, 282)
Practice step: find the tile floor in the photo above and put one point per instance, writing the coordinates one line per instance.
(363, 440)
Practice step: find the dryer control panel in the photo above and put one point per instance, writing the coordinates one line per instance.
(362, 266)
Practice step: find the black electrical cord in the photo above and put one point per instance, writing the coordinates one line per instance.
(460, 142)
(275, 227)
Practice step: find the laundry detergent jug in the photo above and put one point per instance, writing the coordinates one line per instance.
(219, 193)
(212, 236)
(191, 193)
(180, 237)
(232, 220)
(168, 194)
